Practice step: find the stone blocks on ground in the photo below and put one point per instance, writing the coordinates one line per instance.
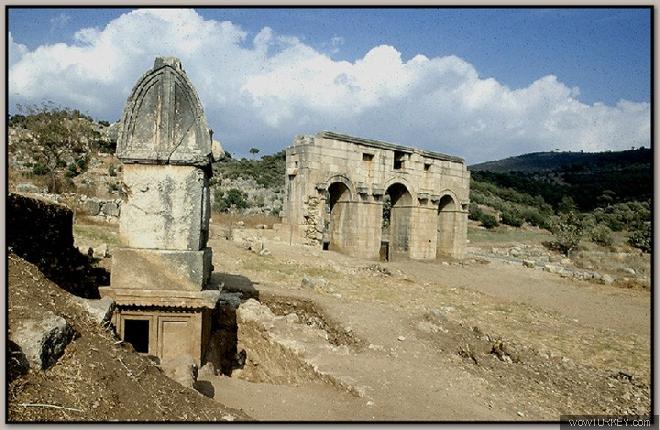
(42, 340)
(151, 269)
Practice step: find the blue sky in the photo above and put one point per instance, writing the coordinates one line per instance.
(597, 57)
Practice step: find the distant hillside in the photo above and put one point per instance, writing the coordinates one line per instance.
(575, 161)
(590, 179)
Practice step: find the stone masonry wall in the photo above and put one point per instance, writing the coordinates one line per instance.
(368, 168)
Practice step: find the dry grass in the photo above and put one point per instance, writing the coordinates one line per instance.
(250, 220)
(96, 234)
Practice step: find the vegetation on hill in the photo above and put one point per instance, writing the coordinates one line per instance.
(267, 172)
(590, 179)
(574, 195)
(57, 140)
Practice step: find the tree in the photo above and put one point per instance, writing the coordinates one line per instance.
(568, 230)
(254, 151)
(54, 134)
(566, 205)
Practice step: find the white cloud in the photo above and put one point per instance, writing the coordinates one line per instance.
(16, 51)
(262, 90)
(59, 21)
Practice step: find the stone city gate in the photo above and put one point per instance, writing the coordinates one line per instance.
(375, 199)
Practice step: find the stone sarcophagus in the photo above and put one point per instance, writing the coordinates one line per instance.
(160, 275)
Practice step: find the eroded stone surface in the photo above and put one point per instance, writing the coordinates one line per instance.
(159, 276)
(160, 269)
(163, 120)
(337, 187)
(163, 209)
(42, 340)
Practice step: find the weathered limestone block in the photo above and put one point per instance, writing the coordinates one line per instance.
(163, 120)
(92, 207)
(99, 310)
(42, 340)
(181, 368)
(110, 209)
(160, 269)
(163, 209)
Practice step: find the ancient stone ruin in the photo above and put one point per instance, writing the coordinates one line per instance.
(160, 275)
(375, 199)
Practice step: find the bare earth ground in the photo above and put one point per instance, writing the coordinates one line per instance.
(449, 342)
(419, 341)
(97, 378)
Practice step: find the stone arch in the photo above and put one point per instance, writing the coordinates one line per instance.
(403, 181)
(397, 226)
(447, 236)
(339, 212)
(344, 180)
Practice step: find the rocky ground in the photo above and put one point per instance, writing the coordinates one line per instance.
(97, 377)
(323, 336)
(479, 339)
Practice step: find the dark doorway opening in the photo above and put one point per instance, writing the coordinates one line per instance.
(136, 332)
(339, 199)
(384, 251)
(397, 208)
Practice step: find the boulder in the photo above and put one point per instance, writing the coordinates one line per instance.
(312, 283)
(217, 152)
(529, 263)
(99, 310)
(92, 207)
(42, 340)
(26, 187)
(111, 209)
(101, 251)
(181, 369)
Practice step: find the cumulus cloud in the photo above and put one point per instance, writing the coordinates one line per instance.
(261, 90)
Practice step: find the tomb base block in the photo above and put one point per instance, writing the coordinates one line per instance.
(153, 269)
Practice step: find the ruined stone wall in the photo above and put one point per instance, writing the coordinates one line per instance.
(368, 168)
(41, 232)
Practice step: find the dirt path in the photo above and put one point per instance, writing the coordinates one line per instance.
(599, 306)
(475, 342)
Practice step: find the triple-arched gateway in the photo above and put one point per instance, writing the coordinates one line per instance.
(374, 199)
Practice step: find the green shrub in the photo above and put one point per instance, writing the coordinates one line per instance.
(602, 235)
(232, 198)
(40, 169)
(512, 218)
(112, 170)
(641, 238)
(489, 221)
(474, 213)
(534, 217)
(568, 230)
(71, 170)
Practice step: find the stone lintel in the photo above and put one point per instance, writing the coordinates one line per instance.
(377, 190)
(153, 157)
(162, 270)
(162, 298)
